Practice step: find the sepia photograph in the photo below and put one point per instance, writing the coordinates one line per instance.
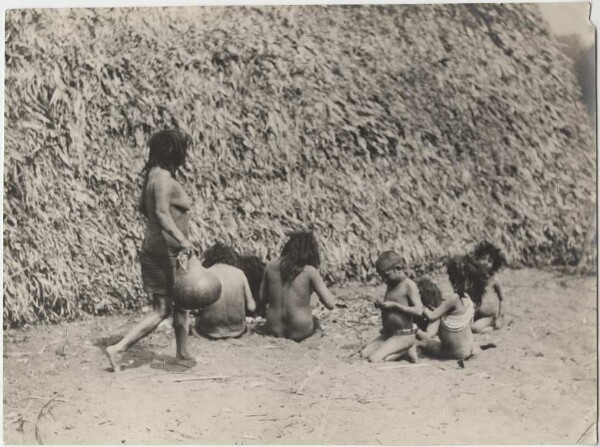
(318, 224)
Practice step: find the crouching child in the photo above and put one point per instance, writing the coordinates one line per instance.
(400, 306)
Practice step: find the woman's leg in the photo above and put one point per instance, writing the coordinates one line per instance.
(181, 326)
(162, 306)
(433, 348)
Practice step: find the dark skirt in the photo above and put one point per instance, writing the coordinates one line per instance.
(158, 272)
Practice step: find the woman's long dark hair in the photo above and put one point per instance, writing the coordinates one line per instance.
(486, 248)
(468, 276)
(168, 150)
(299, 251)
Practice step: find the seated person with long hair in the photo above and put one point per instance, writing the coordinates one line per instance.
(454, 315)
(288, 285)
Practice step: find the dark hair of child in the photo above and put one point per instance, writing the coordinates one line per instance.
(468, 276)
(430, 293)
(299, 251)
(431, 296)
(220, 253)
(486, 248)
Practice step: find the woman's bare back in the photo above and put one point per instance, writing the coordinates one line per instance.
(289, 313)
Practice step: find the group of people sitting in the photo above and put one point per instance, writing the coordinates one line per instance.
(414, 313)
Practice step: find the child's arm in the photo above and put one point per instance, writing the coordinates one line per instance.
(416, 308)
(498, 289)
(248, 298)
(431, 332)
(262, 290)
(447, 306)
(318, 285)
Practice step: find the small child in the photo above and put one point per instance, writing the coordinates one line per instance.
(226, 318)
(488, 315)
(400, 306)
(288, 285)
(454, 315)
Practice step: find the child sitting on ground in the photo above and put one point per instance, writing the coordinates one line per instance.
(227, 316)
(400, 306)
(287, 287)
(454, 315)
(488, 315)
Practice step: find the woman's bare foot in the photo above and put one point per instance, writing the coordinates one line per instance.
(184, 355)
(114, 356)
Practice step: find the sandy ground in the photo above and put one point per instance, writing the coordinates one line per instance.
(538, 386)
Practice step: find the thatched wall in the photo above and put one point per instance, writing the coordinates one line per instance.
(418, 128)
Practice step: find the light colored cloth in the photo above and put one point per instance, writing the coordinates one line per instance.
(227, 316)
(455, 323)
(158, 272)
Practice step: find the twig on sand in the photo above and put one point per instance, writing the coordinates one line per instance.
(39, 416)
(202, 378)
(40, 397)
(587, 430)
(312, 373)
(410, 365)
(180, 433)
(164, 374)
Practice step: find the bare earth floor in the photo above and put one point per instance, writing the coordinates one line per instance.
(537, 386)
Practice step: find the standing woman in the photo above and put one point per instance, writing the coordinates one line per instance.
(166, 205)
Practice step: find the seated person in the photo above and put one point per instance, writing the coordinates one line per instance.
(400, 306)
(488, 315)
(454, 315)
(227, 316)
(288, 285)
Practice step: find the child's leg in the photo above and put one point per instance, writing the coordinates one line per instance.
(433, 348)
(162, 306)
(372, 346)
(397, 344)
(483, 325)
(181, 326)
(410, 354)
